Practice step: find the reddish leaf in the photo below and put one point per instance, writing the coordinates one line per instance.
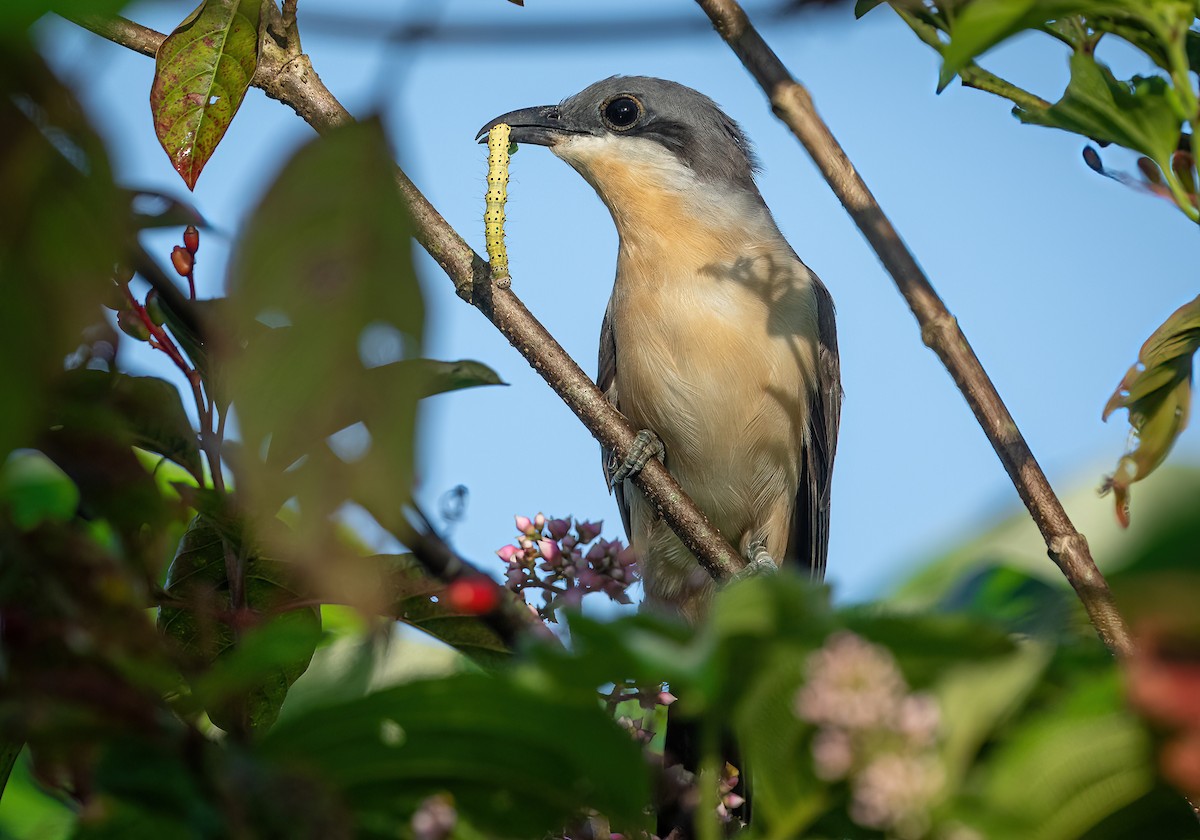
(1158, 393)
(203, 70)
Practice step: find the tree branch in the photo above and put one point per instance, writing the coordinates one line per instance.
(286, 74)
(792, 103)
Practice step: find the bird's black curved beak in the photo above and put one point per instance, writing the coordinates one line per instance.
(541, 126)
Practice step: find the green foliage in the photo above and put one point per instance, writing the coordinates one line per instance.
(487, 740)
(245, 675)
(203, 71)
(62, 226)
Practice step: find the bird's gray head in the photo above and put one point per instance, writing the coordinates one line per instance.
(640, 129)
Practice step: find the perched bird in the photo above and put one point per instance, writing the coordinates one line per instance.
(718, 342)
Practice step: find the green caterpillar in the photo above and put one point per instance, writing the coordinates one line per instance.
(497, 194)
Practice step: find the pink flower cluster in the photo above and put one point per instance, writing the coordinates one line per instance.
(549, 557)
(874, 734)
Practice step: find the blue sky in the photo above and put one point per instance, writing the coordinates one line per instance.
(1056, 274)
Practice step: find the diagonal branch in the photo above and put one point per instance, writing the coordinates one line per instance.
(285, 73)
(939, 330)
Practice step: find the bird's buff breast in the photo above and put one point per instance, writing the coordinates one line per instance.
(714, 355)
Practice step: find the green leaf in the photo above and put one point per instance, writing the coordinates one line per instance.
(863, 6)
(248, 674)
(326, 260)
(441, 377)
(202, 72)
(63, 226)
(411, 592)
(978, 26)
(520, 761)
(1137, 114)
(1158, 393)
(35, 490)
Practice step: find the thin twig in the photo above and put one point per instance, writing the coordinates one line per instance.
(287, 75)
(939, 330)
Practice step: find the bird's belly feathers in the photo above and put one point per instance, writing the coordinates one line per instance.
(718, 364)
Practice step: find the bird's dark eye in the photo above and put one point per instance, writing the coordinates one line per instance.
(621, 113)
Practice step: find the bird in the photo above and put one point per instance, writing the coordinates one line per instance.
(718, 343)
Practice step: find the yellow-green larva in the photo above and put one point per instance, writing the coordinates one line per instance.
(497, 194)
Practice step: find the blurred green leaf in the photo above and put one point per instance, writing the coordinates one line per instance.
(787, 795)
(1158, 393)
(977, 698)
(34, 490)
(202, 72)
(27, 810)
(146, 410)
(427, 376)
(1014, 598)
(519, 761)
(326, 261)
(154, 209)
(150, 793)
(1136, 114)
(93, 443)
(926, 645)
(1068, 768)
(248, 673)
(63, 226)
(15, 15)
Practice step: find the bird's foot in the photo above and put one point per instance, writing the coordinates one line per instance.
(758, 562)
(646, 445)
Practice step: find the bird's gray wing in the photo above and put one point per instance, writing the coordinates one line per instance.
(808, 543)
(606, 379)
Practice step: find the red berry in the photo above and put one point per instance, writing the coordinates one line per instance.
(475, 595)
(191, 239)
(181, 258)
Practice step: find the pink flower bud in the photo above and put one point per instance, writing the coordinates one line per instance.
(507, 552)
(539, 521)
(524, 525)
(588, 531)
(550, 551)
